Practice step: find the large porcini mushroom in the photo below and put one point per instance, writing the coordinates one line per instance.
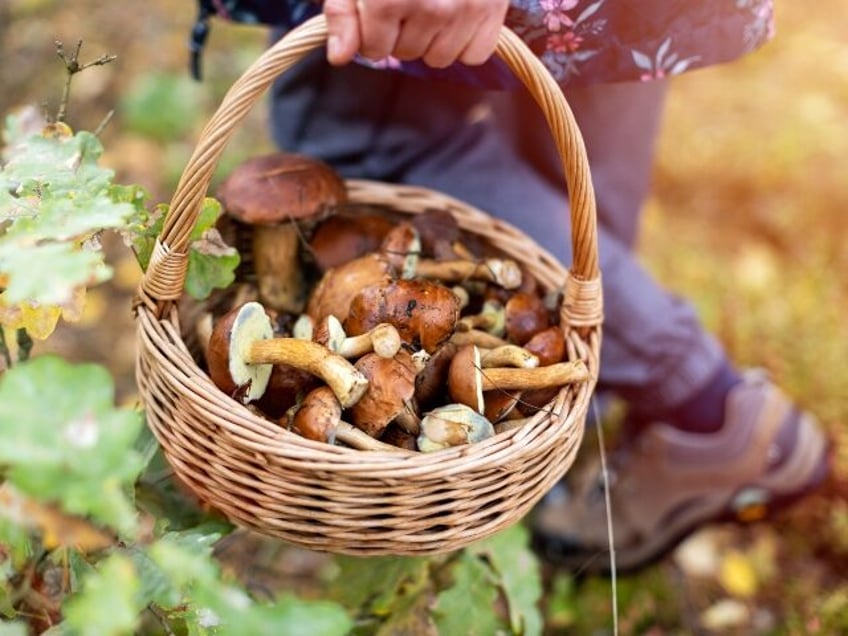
(242, 353)
(452, 425)
(424, 312)
(390, 396)
(276, 193)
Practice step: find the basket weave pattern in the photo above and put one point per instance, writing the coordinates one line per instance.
(338, 499)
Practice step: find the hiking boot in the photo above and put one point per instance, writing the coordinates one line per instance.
(664, 483)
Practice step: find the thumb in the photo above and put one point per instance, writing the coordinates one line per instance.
(342, 30)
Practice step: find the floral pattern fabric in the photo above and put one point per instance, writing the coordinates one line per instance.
(581, 41)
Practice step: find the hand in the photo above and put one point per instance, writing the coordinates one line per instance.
(439, 32)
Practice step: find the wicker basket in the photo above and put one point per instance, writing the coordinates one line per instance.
(332, 498)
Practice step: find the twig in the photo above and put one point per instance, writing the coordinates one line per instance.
(73, 66)
(161, 618)
(104, 123)
(608, 503)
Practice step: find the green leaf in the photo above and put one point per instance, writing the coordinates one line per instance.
(211, 262)
(107, 604)
(48, 273)
(15, 628)
(509, 554)
(229, 609)
(56, 199)
(63, 440)
(374, 583)
(466, 607)
(209, 271)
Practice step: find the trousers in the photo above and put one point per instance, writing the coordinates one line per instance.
(493, 150)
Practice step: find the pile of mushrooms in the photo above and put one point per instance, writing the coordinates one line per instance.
(374, 330)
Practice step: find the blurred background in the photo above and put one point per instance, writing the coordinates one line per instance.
(747, 219)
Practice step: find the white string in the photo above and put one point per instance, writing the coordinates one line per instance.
(608, 504)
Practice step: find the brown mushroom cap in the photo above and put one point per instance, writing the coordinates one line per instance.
(281, 186)
(526, 315)
(465, 382)
(318, 415)
(340, 285)
(391, 388)
(424, 312)
(548, 345)
(342, 238)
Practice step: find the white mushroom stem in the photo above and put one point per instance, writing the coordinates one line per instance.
(508, 355)
(503, 272)
(384, 340)
(351, 436)
(303, 328)
(341, 376)
(558, 374)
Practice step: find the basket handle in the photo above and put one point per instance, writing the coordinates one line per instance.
(164, 278)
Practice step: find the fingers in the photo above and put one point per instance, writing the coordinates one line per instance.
(439, 32)
(343, 34)
(483, 41)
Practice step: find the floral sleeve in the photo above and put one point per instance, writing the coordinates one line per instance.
(580, 41)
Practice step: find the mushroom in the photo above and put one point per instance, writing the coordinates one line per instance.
(398, 437)
(440, 235)
(338, 287)
(275, 193)
(342, 238)
(452, 425)
(390, 396)
(286, 387)
(501, 271)
(467, 378)
(397, 257)
(431, 380)
(491, 319)
(318, 418)
(242, 353)
(424, 312)
(477, 337)
(359, 439)
(318, 415)
(402, 248)
(508, 355)
(547, 345)
(525, 315)
(382, 339)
